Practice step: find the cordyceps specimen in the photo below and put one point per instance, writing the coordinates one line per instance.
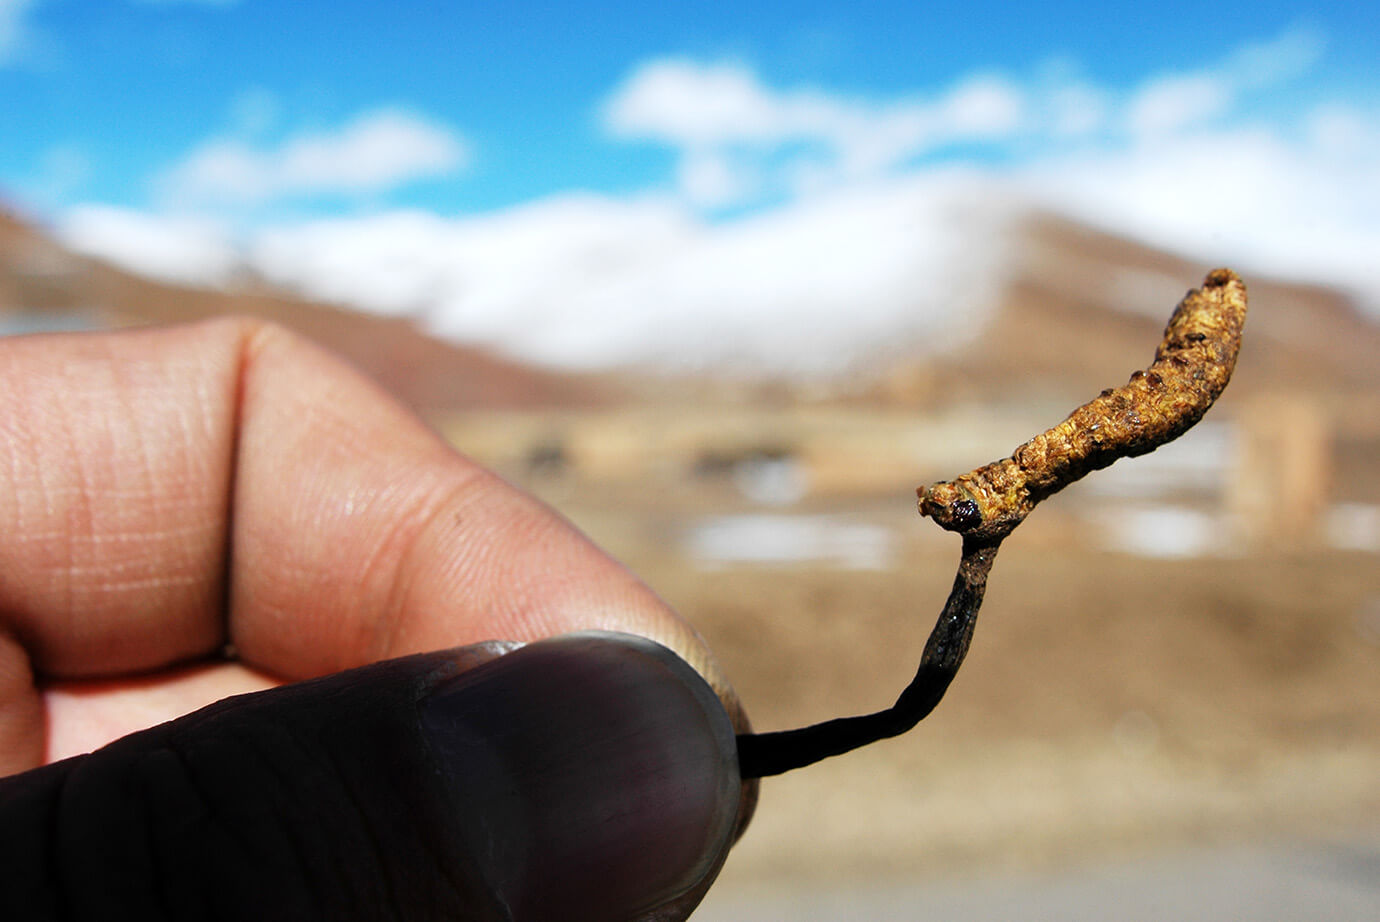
(1161, 403)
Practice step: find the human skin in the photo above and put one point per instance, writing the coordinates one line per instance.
(194, 512)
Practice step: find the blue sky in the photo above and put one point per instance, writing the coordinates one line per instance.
(433, 159)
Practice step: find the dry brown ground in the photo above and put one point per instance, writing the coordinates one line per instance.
(1110, 704)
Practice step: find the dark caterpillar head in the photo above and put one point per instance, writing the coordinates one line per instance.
(951, 507)
(964, 515)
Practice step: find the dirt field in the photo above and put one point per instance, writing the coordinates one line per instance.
(1111, 706)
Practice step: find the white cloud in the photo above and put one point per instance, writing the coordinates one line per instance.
(1171, 104)
(1294, 196)
(12, 27)
(1341, 131)
(1174, 102)
(722, 118)
(695, 105)
(741, 141)
(1261, 64)
(373, 152)
(175, 249)
(984, 107)
(1265, 201)
(1075, 110)
(711, 179)
(586, 281)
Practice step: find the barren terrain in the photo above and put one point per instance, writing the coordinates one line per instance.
(1110, 705)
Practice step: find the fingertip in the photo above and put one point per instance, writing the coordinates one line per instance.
(595, 775)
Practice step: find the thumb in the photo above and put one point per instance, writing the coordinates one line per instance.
(591, 776)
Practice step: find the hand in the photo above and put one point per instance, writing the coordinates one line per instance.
(203, 511)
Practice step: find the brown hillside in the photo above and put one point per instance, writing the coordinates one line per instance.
(1083, 308)
(43, 286)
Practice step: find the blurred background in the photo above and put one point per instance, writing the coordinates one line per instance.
(724, 286)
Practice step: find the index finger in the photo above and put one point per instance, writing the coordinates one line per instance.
(164, 492)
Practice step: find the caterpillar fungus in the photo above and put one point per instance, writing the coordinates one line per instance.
(1192, 366)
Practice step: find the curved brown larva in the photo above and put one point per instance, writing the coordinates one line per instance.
(1191, 367)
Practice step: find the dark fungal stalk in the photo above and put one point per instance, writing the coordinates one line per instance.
(763, 754)
(1192, 366)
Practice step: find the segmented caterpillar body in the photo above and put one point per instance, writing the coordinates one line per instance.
(1191, 367)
